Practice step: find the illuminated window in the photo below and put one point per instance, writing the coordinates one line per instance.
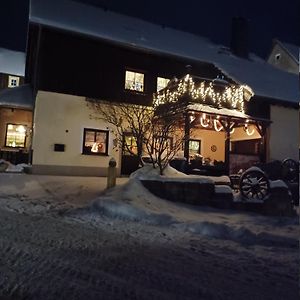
(130, 146)
(194, 147)
(162, 83)
(15, 136)
(13, 81)
(134, 81)
(95, 142)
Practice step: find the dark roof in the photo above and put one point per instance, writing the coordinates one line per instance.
(12, 62)
(18, 97)
(265, 80)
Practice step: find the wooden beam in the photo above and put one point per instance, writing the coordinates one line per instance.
(187, 129)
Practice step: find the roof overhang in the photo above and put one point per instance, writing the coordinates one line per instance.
(19, 97)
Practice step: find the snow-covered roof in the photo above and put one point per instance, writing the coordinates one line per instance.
(18, 97)
(12, 62)
(218, 111)
(293, 50)
(264, 79)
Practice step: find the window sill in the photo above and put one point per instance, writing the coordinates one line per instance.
(95, 154)
(132, 92)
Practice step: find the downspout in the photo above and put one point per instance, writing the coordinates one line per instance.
(35, 89)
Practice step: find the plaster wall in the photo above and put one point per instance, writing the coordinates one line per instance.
(61, 119)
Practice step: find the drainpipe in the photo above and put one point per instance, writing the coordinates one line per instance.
(34, 89)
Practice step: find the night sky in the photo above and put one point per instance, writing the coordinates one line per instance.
(267, 19)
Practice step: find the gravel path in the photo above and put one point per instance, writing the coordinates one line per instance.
(48, 256)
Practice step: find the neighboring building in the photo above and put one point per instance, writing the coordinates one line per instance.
(284, 56)
(116, 58)
(16, 105)
(12, 68)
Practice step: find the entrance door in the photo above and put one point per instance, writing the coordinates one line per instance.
(130, 162)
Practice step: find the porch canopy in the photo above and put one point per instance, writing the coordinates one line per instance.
(212, 104)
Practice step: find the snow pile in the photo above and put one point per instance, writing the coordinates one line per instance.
(7, 166)
(133, 202)
(127, 212)
(148, 172)
(240, 235)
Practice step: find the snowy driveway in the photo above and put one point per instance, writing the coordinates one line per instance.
(51, 248)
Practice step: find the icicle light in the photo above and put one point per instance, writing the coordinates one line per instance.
(206, 92)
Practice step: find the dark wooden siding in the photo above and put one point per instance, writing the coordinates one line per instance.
(258, 107)
(79, 65)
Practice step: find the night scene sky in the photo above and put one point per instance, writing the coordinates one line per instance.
(266, 19)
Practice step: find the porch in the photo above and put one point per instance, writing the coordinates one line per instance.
(220, 138)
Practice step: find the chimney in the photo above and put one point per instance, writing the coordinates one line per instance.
(239, 37)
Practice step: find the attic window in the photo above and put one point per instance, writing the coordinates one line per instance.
(134, 81)
(277, 56)
(13, 81)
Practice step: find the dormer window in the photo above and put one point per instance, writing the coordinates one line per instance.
(134, 81)
(162, 83)
(13, 81)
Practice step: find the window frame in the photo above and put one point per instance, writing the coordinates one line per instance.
(200, 144)
(134, 71)
(5, 137)
(95, 130)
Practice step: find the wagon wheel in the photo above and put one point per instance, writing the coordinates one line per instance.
(290, 170)
(254, 184)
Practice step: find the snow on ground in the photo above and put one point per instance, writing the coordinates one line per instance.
(69, 238)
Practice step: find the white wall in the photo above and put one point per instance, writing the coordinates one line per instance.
(284, 133)
(61, 118)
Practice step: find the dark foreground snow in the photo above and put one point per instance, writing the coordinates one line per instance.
(53, 249)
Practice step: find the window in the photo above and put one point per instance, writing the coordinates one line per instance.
(95, 142)
(162, 83)
(134, 81)
(130, 146)
(13, 81)
(277, 56)
(250, 147)
(15, 136)
(194, 147)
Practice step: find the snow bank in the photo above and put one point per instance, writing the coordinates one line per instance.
(127, 212)
(133, 202)
(148, 172)
(240, 235)
(11, 168)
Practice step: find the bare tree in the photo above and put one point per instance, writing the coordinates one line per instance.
(165, 136)
(125, 118)
(157, 131)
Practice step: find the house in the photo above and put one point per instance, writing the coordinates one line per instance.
(16, 105)
(284, 56)
(87, 52)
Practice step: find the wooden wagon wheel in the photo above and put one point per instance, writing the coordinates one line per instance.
(290, 170)
(254, 184)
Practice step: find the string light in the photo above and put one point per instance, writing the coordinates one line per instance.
(216, 124)
(203, 121)
(232, 97)
(247, 130)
